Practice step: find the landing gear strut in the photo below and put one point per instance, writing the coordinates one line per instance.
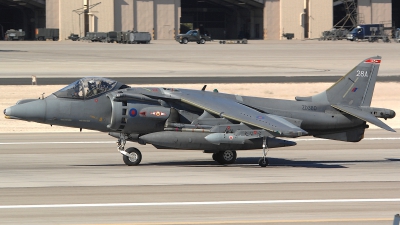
(263, 162)
(131, 156)
(225, 157)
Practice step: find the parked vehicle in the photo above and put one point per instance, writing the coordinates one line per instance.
(192, 36)
(334, 34)
(134, 37)
(73, 37)
(114, 36)
(370, 32)
(42, 34)
(96, 36)
(15, 35)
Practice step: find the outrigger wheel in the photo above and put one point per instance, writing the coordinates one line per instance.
(263, 162)
(134, 158)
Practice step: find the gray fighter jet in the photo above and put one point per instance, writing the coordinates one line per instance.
(213, 122)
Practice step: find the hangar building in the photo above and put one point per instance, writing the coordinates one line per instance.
(222, 19)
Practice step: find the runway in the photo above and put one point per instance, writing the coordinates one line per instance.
(167, 59)
(79, 178)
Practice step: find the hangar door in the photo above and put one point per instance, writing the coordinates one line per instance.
(223, 19)
(22, 14)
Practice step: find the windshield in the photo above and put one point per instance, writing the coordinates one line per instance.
(189, 32)
(355, 30)
(85, 88)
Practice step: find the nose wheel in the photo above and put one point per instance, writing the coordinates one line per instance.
(134, 158)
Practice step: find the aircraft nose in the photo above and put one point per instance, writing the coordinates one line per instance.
(7, 112)
(392, 114)
(29, 111)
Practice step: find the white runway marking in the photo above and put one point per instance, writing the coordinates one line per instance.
(199, 203)
(113, 142)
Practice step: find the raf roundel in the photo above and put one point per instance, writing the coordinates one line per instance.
(133, 112)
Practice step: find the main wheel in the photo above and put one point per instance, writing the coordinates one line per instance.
(225, 157)
(202, 41)
(262, 162)
(185, 41)
(134, 159)
(214, 156)
(198, 42)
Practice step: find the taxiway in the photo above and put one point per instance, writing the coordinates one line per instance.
(79, 178)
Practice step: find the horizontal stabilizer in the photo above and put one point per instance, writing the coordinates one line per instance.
(303, 99)
(358, 113)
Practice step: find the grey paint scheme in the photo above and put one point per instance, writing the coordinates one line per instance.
(211, 121)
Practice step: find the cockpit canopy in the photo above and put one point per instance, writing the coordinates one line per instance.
(86, 88)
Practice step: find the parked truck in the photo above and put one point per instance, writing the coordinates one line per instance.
(370, 32)
(114, 36)
(192, 36)
(42, 34)
(96, 36)
(134, 37)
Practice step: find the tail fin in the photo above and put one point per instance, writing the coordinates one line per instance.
(355, 88)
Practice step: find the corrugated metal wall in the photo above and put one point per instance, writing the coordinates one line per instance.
(290, 17)
(145, 16)
(165, 19)
(103, 17)
(320, 17)
(53, 13)
(123, 15)
(118, 15)
(272, 20)
(69, 20)
(375, 11)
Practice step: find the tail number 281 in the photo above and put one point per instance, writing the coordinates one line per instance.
(361, 73)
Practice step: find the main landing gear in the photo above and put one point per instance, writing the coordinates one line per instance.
(225, 157)
(131, 156)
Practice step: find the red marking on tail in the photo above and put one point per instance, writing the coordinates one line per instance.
(377, 61)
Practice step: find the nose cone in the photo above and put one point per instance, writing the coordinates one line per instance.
(29, 111)
(392, 114)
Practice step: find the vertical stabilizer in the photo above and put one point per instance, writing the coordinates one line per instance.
(355, 88)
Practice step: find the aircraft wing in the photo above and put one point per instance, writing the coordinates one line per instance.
(233, 110)
(367, 117)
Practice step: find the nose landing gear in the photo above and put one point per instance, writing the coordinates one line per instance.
(131, 156)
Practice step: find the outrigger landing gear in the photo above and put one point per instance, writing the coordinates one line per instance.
(263, 162)
(131, 156)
